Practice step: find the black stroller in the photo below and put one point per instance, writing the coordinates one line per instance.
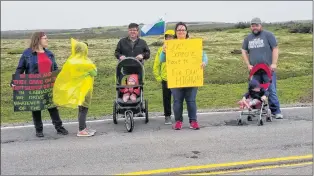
(128, 109)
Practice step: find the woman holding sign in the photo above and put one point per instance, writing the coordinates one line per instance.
(34, 60)
(187, 93)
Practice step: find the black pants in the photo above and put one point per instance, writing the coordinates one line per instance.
(82, 113)
(166, 94)
(54, 115)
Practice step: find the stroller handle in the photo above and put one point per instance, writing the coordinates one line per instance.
(130, 58)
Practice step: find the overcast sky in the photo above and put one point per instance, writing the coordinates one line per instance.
(76, 15)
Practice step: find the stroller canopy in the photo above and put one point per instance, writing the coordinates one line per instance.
(129, 66)
(262, 67)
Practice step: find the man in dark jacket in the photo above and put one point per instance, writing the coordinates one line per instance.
(132, 46)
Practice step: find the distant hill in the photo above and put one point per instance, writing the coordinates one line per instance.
(115, 31)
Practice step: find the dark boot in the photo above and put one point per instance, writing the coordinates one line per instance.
(62, 130)
(39, 133)
(56, 121)
(38, 123)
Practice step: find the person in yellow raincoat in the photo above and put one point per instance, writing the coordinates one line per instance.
(73, 87)
(160, 73)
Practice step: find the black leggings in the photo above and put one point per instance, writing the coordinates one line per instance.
(82, 113)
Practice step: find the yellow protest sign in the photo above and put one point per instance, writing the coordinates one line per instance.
(184, 59)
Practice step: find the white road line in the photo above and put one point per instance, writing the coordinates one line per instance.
(103, 120)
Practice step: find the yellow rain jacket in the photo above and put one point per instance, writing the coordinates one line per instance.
(74, 84)
(159, 69)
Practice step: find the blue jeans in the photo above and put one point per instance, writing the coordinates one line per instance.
(274, 104)
(189, 94)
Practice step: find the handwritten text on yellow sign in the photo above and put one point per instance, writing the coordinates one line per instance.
(184, 58)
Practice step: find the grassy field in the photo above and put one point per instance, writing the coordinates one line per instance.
(225, 76)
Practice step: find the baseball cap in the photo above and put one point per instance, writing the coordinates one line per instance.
(256, 20)
(254, 84)
(169, 32)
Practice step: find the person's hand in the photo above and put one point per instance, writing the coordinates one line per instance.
(203, 65)
(139, 57)
(122, 57)
(263, 98)
(125, 90)
(243, 99)
(273, 67)
(12, 86)
(164, 48)
(159, 79)
(250, 67)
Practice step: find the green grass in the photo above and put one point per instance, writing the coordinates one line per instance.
(225, 76)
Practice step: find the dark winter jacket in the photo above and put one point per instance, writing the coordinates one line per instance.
(124, 48)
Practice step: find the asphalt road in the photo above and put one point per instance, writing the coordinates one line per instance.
(156, 146)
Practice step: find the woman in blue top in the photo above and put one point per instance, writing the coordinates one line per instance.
(188, 93)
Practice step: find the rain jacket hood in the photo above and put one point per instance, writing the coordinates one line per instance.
(74, 84)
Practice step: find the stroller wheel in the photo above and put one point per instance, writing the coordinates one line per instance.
(129, 121)
(146, 111)
(249, 118)
(240, 123)
(269, 118)
(260, 123)
(114, 113)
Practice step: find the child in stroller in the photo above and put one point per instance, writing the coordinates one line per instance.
(255, 100)
(254, 97)
(131, 93)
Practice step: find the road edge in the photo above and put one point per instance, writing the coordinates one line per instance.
(154, 114)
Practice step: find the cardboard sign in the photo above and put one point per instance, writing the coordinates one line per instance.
(184, 59)
(33, 92)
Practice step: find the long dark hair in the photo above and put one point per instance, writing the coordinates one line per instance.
(175, 29)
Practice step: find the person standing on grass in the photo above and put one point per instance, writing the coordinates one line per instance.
(74, 85)
(160, 73)
(187, 93)
(261, 47)
(36, 60)
(132, 46)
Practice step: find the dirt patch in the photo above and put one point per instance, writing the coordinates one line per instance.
(236, 51)
(307, 98)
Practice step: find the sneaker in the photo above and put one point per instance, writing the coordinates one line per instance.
(62, 131)
(279, 116)
(91, 131)
(194, 125)
(168, 120)
(84, 133)
(39, 134)
(178, 125)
